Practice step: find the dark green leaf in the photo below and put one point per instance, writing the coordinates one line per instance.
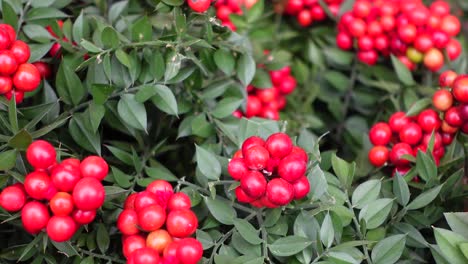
(389, 250)
(109, 38)
(132, 112)
(101, 92)
(376, 212)
(102, 238)
(247, 231)
(221, 210)
(403, 73)
(327, 233)
(69, 86)
(224, 60)
(288, 246)
(401, 190)
(262, 79)
(207, 163)
(344, 170)
(141, 30)
(424, 198)
(44, 12)
(9, 15)
(83, 134)
(7, 159)
(162, 98)
(365, 193)
(426, 167)
(160, 172)
(418, 106)
(245, 69)
(20, 140)
(226, 106)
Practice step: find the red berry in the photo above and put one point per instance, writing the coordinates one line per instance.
(132, 243)
(279, 145)
(423, 42)
(440, 8)
(130, 201)
(88, 194)
(44, 69)
(304, 17)
(398, 151)
(151, 217)
(160, 188)
(6, 84)
(83, 217)
(407, 33)
(19, 96)
(380, 134)
(442, 100)
(12, 198)
(378, 156)
(199, 5)
(433, 59)
(440, 39)
(411, 134)
(453, 116)
(37, 185)
(181, 223)
(279, 191)
(365, 43)
(34, 217)
(5, 40)
(41, 154)
(447, 138)
(127, 222)
(256, 157)
(357, 27)
(144, 199)
(27, 78)
(94, 166)
(437, 140)
(61, 204)
(429, 120)
(292, 167)
(10, 30)
(254, 106)
(189, 251)
(253, 184)
(223, 12)
(61, 228)
(287, 85)
(344, 41)
(454, 49)
(237, 168)
(301, 188)
(450, 24)
(242, 196)
(362, 9)
(144, 255)
(179, 201)
(20, 51)
(369, 57)
(446, 78)
(65, 178)
(8, 63)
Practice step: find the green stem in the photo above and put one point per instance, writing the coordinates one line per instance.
(347, 99)
(264, 235)
(358, 229)
(94, 255)
(21, 17)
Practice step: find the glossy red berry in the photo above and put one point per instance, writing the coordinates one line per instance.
(453, 116)
(179, 201)
(446, 78)
(301, 188)
(279, 145)
(13, 198)
(254, 184)
(397, 152)
(378, 155)
(189, 251)
(181, 223)
(41, 154)
(256, 157)
(34, 217)
(292, 167)
(380, 134)
(127, 222)
(199, 5)
(88, 194)
(151, 217)
(94, 166)
(411, 134)
(27, 78)
(6, 84)
(20, 51)
(429, 120)
(279, 191)
(37, 184)
(61, 204)
(65, 178)
(8, 63)
(237, 168)
(61, 228)
(83, 217)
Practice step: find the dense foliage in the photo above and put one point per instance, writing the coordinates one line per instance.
(164, 90)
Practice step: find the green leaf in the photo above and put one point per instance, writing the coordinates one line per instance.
(89, 46)
(65, 248)
(315, 55)
(9, 15)
(262, 79)
(319, 186)
(288, 246)
(247, 231)
(83, 134)
(80, 28)
(245, 69)
(96, 113)
(341, 258)
(12, 115)
(389, 250)
(121, 178)
(121, 155)
(337, 79)
(376, 212)
(414, 237)
(132, 112)
(160, 172)
(43, 13)
(401, 190)
(68, 84)
(221, 210)
(174, 2)
(116, 10)
(255, 11)
(424, 198)
(205, 239)
(403, 73)
(38, 51)
(37, 33)
(226, 106)
(448, 242)
(464, 249)
(164, 99)
(109, 38)
(101, 92)
(207, 163)
(142, 30)
(102, 238)
(327, 232)
(426, 167)
(458, 222)
(365, 193)
(418, 106)
(113, 192)
(7, 159)
(224, 60)
(344, 170)
(123, 58)
(173, 65)
(20, 140)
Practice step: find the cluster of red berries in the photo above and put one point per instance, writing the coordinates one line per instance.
(268, 102)
(452, 101)
(309, 11)
(71, 190)
(226, 7)
(408, 29)
(404, 135)
(157, 224)
(16, 75)
(271, 172)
